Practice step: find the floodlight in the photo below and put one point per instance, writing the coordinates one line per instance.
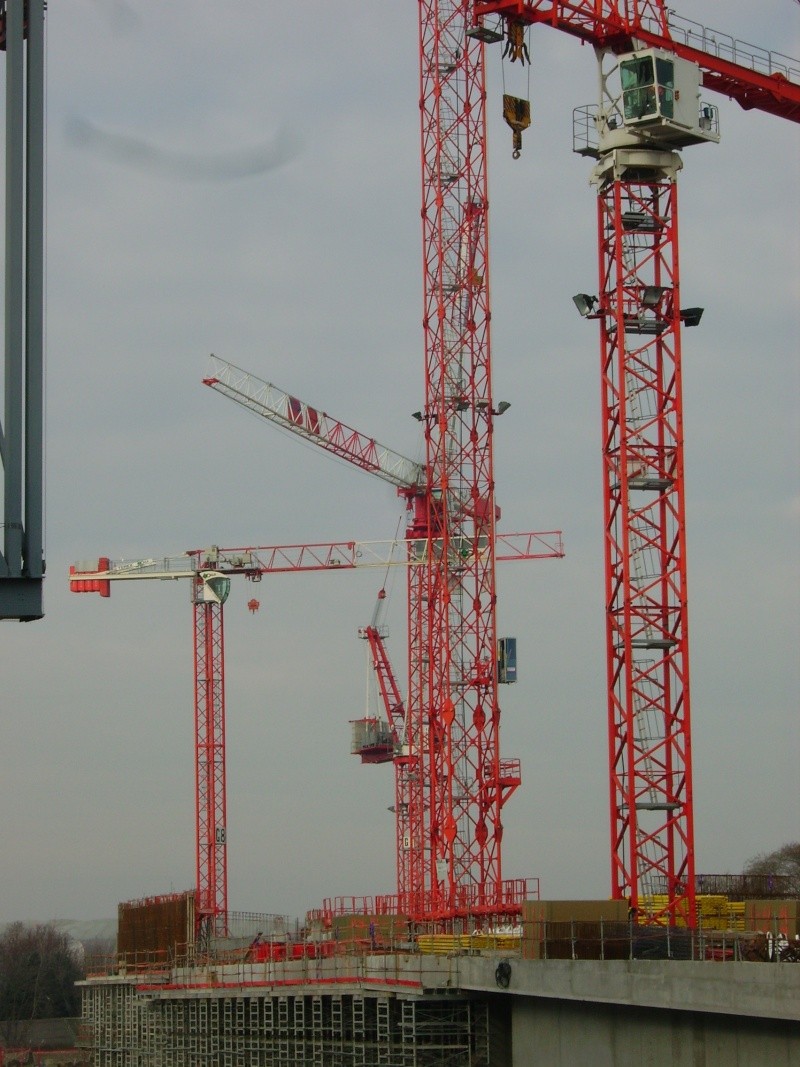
(503, 406)
(691, 316)
(652, 294)
(584, 303)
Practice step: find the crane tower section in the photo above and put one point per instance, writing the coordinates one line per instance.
(655, 110)
(452, 634)
(208, 595)
(645, 557)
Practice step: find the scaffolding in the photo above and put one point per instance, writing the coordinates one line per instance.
(126, 1026)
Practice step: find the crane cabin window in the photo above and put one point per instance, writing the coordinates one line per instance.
(648, 87)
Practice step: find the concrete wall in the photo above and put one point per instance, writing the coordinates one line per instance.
(646, 1013)
(550, 1033)
(754, 990)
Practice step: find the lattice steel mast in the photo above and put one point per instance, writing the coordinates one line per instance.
(453, 693)
(449, 777)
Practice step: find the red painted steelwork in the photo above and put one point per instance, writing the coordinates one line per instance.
(209, 661)
(645, 548)
(453, 698)
(210, 797)
(614, 24)
(652, 837)
(404, 755)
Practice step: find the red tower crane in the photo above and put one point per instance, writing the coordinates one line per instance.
(453, 684)
(389, 741)
(450, 781)
(454, 866)
(660, 60)
(210, 571)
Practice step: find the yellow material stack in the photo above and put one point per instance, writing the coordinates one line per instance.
(449, 944)
(714, 911)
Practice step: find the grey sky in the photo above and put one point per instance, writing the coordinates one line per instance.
(310, 276)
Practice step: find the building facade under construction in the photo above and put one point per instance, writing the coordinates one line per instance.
(370, 989)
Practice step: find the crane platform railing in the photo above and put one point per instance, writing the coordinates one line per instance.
(755, 77)
(731, 50)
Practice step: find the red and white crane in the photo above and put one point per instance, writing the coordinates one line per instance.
(389, 741)
(450, 781)
(210, 571)
(454, 861)
(651, 65)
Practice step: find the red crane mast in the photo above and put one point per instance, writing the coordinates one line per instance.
(453, 685)
(211, 829)
(393, 741)
(209, 571)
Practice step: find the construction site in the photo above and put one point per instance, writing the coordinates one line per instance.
(460, 965)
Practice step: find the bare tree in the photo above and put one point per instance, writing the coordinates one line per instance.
(784, 862)
(38, 972)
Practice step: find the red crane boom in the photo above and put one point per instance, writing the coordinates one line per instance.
(755, 78)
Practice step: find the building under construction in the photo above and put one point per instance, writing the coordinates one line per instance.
(311, 1023)
(354, 990)
(357, 988)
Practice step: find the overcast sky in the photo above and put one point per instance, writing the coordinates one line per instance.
(243, 178)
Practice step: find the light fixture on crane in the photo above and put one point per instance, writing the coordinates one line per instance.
(651, 295)
(585, 304)
(691, 316)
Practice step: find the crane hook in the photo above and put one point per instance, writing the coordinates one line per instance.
(517, 113)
